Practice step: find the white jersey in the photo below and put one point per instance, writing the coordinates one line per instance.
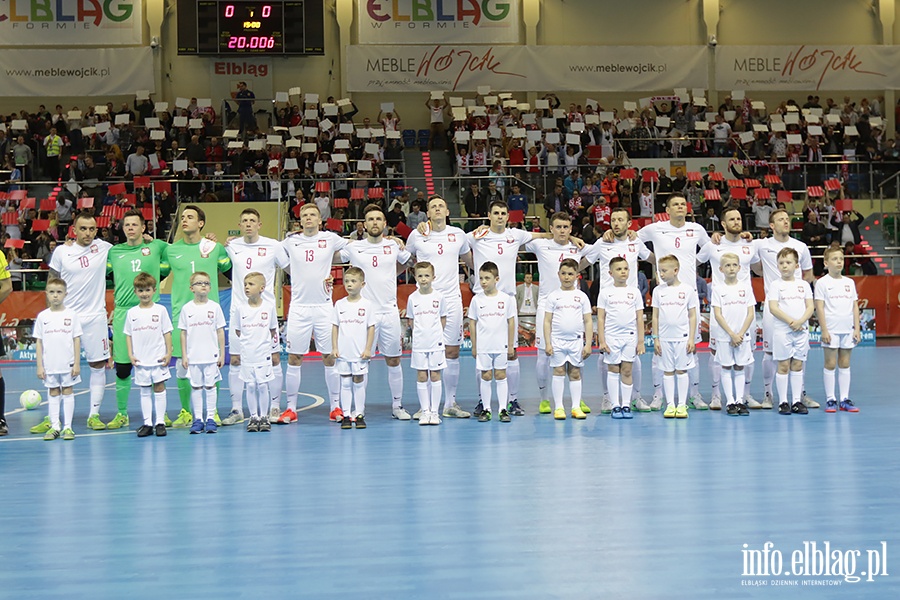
(441, 249)
(681, 242)
(353, 320)
(84, 271)
(501, 249)
(549, 255)
(602, 252)
(491, 315)
(426, 311)
(311, 258)
(568, 308)
(261, 256)
(768, 250)
(673, 304)
(379, 262)
(147, 327)
(746, 252)
(202, 323)
(733, 300)
(257, 325)
(839, 296)
(57, 331)
(791, 297)
(621, 305)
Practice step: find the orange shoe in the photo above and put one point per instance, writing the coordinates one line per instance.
(287, 417)
(336, 415)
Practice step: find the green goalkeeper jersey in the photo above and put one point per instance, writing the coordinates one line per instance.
(125, 262)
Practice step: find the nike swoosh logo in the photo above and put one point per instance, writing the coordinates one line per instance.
(177, 255)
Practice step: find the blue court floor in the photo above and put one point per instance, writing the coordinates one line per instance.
(648, 508)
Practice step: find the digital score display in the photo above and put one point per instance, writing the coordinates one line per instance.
(247, 27)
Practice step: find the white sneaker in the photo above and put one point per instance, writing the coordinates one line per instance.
(767, 402)
(456, 412)
(715, 403)
(435, 419)
(605, 405)
(274, 413)
(424, 417)
(656, 403)
(751, 402)
(400, 414)
(697, 403)
(417, 416)
(640, 405)
(809, 402)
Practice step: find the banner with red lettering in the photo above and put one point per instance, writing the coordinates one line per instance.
(225, 73)
(69, 23)
(438, 21)
(807, 67)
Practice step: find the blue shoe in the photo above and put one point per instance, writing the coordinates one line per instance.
(197, 426)
(626, 412)
(211, 426)
(847, 406)
(617, 413)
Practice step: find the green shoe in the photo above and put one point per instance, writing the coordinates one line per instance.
(217, 419)
(95, 423)
(166, 420)
(118, 422)
(42, 427)
(68, 434)
(585, 408)
(51, 435)
(544, 407)
(185, 419)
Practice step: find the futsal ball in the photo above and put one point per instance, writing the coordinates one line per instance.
(30, 399)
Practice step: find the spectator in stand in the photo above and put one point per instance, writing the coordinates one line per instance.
(437, 109)
(137, 163)
(395, 216)
(609, 187)
(848, 227)
(557, 200)
(493, 193)
(54, 146)
(475, 203)
(600, 213)
(23, 158)
(573, 183)
(646, 201)
(323, 202)
(589, 190)
(857, 256)
(360, 232)
(15, 270)
(416, 215)
(815, 235)
(244, 97)
(516, 200)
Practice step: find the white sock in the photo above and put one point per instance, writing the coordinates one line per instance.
(575, 392)
(485, 386)
(395, 381)
(682, 380)
(147, 405)
(292, 385)
(738, 384)
(252, 390)
(668, 385)
(559, 384)
(437, 389)
(829, 383)
(781, 383)
(346, 395)
(769, 369)
(68, 402)
(53, 412)
(657, 375)
(502, 393)
(275, 386)
(98, 387)
(694, 378)
(422, 392)
(212, 397)
(796, 386)
(844, 383)
(197, 402)
(715, 371)
(451, 382)
(543, 371)
(236, 387)
(333, 383)
(359, 395)
(725, 375)
(624, 399)
(160, 400)
(636, 372)
(748, 377)
(612, 384)
(513, 374)
(603, 369)
(264, 398)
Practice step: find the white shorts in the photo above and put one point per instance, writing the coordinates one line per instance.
(790, 344)
(491, 361)
(621, 350)
(95, 338)
(675, 356)
(435, 360)
(768, 323)
(388, 333)
(199, 375)
(147, 376)
(729, 356)
(60, 380)
(257, 373)
(351, 367)
(567, 351)
(453, 331)
(306, 321)
(843, 341)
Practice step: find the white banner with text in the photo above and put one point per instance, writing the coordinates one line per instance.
(525, 68)
(807, 67)
(99, 72)
(438, 21)
(71, 23)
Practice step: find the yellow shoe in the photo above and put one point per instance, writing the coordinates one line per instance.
(544, 407)
(185, 419)
(670, 412)
(577, 413)
(559, 414)
(585, 408)
(681, 412)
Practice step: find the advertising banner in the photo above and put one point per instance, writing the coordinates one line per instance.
(524, 68)
(71, 23)
(807, 67)
(98, 72)
(438, 21)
